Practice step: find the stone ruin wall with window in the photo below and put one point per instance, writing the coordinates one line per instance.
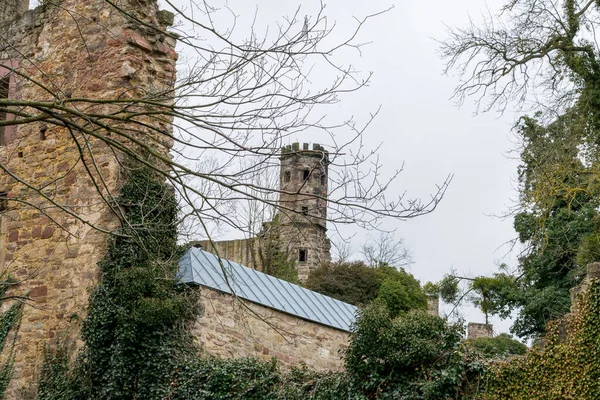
(83, 49)
(302, 226)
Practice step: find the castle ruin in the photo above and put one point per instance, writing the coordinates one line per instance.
(301, 226)
(59, 170)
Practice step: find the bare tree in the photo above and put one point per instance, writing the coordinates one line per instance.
(386, 249)
(341, 248)
(237, 98)
(529, 51)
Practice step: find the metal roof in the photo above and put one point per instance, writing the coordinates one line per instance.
(203, 268)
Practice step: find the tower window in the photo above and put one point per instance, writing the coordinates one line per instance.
(302, 255)
(287, 176)
(323, 180)
(4, 84)
(305, 174)
(3, 201)
(304, 210)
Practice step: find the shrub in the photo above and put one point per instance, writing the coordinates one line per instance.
(501, 345)
(358, 284)
(414, 356)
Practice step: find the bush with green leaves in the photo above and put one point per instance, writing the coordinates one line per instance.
(498, 346)
(359, 284)
(413, 356)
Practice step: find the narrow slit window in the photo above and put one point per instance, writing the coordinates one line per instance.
(302, 255)
(323, 180)
(287, 176)
(304, 210)
(4, 85)
(3, 201)
(305, 174)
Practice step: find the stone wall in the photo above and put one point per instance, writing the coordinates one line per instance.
(433, 306)
(12, 9)
(235, 328)
(241, 251)
(476, 330)
(58, 182)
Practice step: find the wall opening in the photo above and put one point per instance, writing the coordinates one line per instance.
(4, 85)
(305, 174)
(323, 180)
(3, 201)
(287, 176)
(304, 210)
(302, 255)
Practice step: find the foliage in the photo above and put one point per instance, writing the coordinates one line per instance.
(498, 346)
(209, 378)
(566, 367)
(358, 284)
(352, 282)
(558, 223)
(10, 321)
(559, 200)
(274, 260)
(543, 45)
(489, 294)
(414, 356)
(400, 291)
(134, 333)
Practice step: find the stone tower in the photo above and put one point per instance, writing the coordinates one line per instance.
(53, 218)
(303, 200)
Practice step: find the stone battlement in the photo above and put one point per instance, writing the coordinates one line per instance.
(294, 149)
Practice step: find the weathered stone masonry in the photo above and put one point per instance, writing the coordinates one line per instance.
(228, 330)
(302, 225)
(49, 241)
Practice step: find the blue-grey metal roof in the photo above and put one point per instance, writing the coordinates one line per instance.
(203, 268)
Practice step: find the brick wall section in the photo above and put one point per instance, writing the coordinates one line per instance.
(92, 51)
(227, 329)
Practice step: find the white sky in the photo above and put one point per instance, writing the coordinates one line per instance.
(421, 126)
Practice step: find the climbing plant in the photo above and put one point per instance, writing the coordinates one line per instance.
(135, 337)
(9, 322)
(567, 366)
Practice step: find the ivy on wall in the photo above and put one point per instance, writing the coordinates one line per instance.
(567, 366)
(135, 336)
(9, 322)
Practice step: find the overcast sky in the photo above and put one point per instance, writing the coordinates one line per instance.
(421, 126)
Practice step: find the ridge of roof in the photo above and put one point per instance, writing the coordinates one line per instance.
(205, 269)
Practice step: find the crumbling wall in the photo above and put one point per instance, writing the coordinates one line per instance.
(55, 221)
(241, 251)
(476, 330)
(233, 328)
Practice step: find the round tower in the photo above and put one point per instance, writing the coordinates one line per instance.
(303, 217)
